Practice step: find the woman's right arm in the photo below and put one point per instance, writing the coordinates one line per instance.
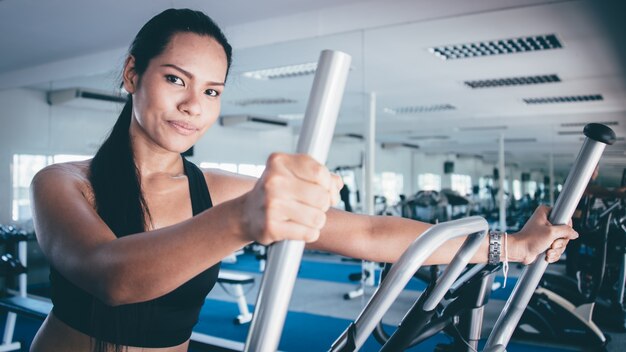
(130, 269)
(289, 201)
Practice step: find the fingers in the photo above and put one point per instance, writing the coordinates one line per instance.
(298, 191)
(303, 168)
(298, 213)
(337, 186)
(290, 200)
(563, 231)
(561, 243)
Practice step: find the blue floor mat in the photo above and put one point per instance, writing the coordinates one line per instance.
(309, 332)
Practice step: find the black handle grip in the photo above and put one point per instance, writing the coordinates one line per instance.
(599, 132)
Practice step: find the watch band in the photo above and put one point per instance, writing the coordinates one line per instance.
(495, 247)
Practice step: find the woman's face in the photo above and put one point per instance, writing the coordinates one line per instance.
(178, 96)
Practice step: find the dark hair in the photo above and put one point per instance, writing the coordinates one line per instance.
(113, 173)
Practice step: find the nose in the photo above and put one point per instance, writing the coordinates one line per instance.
(191, 104)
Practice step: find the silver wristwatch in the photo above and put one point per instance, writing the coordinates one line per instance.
(495, 247)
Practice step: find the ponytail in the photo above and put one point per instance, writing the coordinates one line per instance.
(115, 180)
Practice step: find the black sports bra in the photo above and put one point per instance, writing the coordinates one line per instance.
(162, 322)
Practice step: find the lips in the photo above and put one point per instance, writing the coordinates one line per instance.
(183, 127)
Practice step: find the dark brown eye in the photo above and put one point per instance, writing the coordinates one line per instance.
(211, 92)
(175, 80)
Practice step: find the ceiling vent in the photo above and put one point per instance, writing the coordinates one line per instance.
(283, 71)
(497, 47)
(582, 124)
(428, 138)
(406, 110)
(520, 140)
(483, 128)
(252, 122)
(85, 98)
(348, 137)
(621, 139)
(469, 156)
(570, 99)
(393, 145)
(264, 101)
(569, 133)
(614, 153)
(512, 81)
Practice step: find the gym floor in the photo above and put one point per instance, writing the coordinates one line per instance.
(323, 281)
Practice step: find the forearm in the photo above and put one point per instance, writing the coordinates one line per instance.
(385, 238)
(148, 265)
(396, 234)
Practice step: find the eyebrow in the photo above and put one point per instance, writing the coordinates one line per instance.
(190, 75)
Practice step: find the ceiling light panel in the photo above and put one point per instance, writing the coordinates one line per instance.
(558, 100)
(418, 109)
(497, 47)
(512, 81)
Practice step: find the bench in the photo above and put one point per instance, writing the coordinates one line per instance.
(28, 307)
(237, 280)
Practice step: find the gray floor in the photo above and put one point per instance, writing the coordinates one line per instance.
(326, 298)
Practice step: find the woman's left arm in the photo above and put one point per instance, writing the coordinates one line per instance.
(385, 238)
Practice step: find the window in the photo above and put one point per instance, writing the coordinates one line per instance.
(429, 182)
(390, 185)
(243, 169)
(222, 166)
(532, 188)
(461, 184)
(64, 158)
(25, 166)
(485, 184)
(517, 189)
(251, 170)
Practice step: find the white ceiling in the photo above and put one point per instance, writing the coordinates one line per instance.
(62, 43)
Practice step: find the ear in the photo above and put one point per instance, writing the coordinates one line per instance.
(129, 75)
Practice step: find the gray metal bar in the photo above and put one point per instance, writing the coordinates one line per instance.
(402, 271)
(454, 269)
(575, 184)
(467, 275)
(284, 257)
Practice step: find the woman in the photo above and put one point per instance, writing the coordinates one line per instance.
(134, 238)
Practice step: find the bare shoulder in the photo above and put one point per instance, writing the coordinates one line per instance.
(225, 185)
(70, 174)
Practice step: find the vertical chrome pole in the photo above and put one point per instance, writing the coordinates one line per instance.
(501, 184)
(598, 136)
(368, 182)
(551, 188)
(284, 257)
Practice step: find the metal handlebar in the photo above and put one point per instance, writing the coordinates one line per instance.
(598, 136)
(401, 272)
(284, 257)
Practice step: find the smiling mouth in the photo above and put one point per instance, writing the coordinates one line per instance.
(182, 128)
